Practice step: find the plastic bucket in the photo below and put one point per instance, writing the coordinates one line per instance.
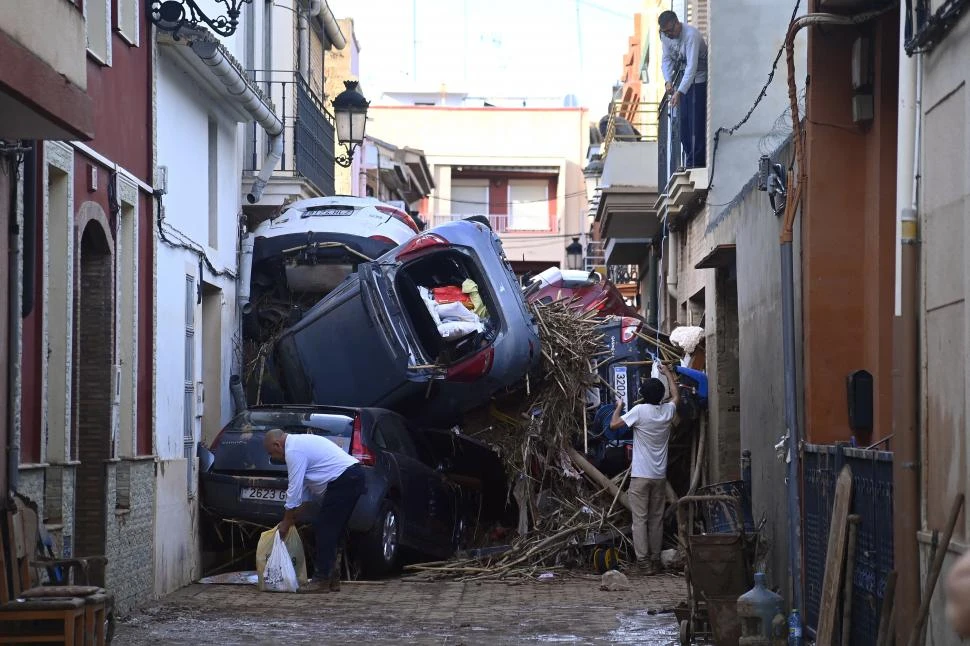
(722, 517)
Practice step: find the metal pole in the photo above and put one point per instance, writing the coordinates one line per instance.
(791, 422)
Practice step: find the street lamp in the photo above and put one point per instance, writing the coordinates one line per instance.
(172, 15)
(574, 255)
(350, 113)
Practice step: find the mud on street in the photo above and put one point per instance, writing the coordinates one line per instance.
(569, 610)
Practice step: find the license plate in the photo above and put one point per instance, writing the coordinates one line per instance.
(620, 385)
(336, 210)
(263, 493)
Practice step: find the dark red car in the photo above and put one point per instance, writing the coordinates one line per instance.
(589, 289)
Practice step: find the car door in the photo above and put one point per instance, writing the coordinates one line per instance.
(391, 435)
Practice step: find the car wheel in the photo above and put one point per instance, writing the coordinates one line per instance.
(381, 544)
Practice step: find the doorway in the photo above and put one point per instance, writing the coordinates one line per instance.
(92, 388)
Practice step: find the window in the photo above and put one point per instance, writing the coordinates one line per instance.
(188, 412)
(469, 196)
(126, 20)
(213, 184)
(529, 205)
(97, 21)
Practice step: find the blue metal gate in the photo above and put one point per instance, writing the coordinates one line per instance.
(872, 500)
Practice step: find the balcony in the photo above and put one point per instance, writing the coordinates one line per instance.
(625, 212)
(682, 190)
(306, 168)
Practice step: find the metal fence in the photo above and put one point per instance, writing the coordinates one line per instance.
(872, 500)
(630, 121)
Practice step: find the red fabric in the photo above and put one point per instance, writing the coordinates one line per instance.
(451, 294)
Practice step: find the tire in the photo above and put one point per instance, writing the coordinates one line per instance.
(685, 633)
(381, 546)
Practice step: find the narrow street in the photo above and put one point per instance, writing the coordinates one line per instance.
(398, 612)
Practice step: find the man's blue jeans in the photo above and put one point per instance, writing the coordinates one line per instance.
(335, 509)
(693, 126)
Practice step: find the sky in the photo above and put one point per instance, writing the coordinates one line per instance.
(531, 48)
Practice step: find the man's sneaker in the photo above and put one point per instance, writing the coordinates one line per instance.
(314, 586)
(657, 566)
(645, 566)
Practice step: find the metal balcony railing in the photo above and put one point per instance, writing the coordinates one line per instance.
(669, 150)
(630, 121)
(622, 274)
(308, 131)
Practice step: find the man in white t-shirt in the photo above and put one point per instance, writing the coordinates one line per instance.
(651, 422)
(318, 469)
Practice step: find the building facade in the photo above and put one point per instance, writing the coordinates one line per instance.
(522, 167)
(86, 360)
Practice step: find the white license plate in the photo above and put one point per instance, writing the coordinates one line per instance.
(620, 385)
(331, 211)
(263, 493)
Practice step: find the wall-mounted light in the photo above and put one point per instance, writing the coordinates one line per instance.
(173, 15)
(350, 113)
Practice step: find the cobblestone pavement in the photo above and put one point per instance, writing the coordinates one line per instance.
(570, 610)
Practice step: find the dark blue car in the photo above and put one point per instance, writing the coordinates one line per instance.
(412, 499)
(374, 342)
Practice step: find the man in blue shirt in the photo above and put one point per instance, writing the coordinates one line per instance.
(684, 65)
(318, 469)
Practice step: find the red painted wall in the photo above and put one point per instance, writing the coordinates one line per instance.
(121, 94)
(848, 225)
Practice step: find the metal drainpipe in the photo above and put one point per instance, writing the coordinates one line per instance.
(237, 85)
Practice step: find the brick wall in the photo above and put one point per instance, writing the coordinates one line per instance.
(93, 389)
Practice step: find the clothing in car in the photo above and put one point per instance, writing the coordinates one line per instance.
(648, 475)
(312, 462)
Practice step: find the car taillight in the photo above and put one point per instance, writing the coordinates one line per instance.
(472, 368)
(383, 239)
(420, 243)
(398, 214)
(628, 328)
(357, 447)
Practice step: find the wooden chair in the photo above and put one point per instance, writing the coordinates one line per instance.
(32, 612)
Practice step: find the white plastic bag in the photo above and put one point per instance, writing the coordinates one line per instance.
(280, 575)
(656, 373)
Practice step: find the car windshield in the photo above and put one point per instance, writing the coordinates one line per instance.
(240, 447)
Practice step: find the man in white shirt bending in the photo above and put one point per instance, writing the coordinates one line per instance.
(651, 423)
(684, 65)
(318, 469)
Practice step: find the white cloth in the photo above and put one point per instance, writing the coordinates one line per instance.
(690, 52)
(311, 462)
(651, 430)
(687, 336)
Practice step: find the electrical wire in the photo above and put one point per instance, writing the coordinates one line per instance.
(757, 101)
(184, 242)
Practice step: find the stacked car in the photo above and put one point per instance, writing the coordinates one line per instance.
(380, 362)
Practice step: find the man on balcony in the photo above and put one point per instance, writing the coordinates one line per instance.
(684, 66)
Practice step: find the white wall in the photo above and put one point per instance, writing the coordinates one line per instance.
(184, 111)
